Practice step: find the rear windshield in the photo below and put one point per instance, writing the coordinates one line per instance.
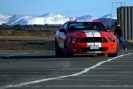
(86, 26)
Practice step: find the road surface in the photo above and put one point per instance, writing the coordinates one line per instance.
(23, 69)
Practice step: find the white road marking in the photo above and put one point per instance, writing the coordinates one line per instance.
(72, 75)
(16, 54)
(20, 54)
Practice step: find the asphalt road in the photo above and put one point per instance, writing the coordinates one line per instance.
(21, 69)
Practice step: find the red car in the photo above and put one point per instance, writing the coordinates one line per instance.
(82, 37)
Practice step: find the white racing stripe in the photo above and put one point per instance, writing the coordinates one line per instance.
(66, 76)
(88, 33)
(96, 33)
(93, 33)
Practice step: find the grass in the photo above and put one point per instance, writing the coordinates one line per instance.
(26, 34)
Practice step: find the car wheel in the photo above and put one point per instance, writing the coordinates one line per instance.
(57, 50)
(113, 54)
(66, 51)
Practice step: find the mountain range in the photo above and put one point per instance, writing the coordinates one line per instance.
(51, 18)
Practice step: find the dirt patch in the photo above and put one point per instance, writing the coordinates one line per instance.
(27, 45)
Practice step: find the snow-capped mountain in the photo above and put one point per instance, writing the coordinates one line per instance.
(108, 19)
(4, 18)
(86, 17)
(48, 18)
(113, 16)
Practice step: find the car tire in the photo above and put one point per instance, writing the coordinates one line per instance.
(113, 54)
(66, 51)
(58, 51)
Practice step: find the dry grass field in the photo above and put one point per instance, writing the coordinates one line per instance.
(27, 40)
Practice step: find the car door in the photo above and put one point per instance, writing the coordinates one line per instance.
(62, 35)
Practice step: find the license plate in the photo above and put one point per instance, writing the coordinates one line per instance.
(94, 46)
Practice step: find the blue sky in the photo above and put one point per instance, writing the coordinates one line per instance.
(69, 8)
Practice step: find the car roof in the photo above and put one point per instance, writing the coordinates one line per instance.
(72, 21)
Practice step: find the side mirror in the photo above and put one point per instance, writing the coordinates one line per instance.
(109, 29)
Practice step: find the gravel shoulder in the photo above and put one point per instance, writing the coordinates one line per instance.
(44, 44)
(27, 44)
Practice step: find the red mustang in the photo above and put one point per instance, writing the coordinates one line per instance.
(82, 37)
